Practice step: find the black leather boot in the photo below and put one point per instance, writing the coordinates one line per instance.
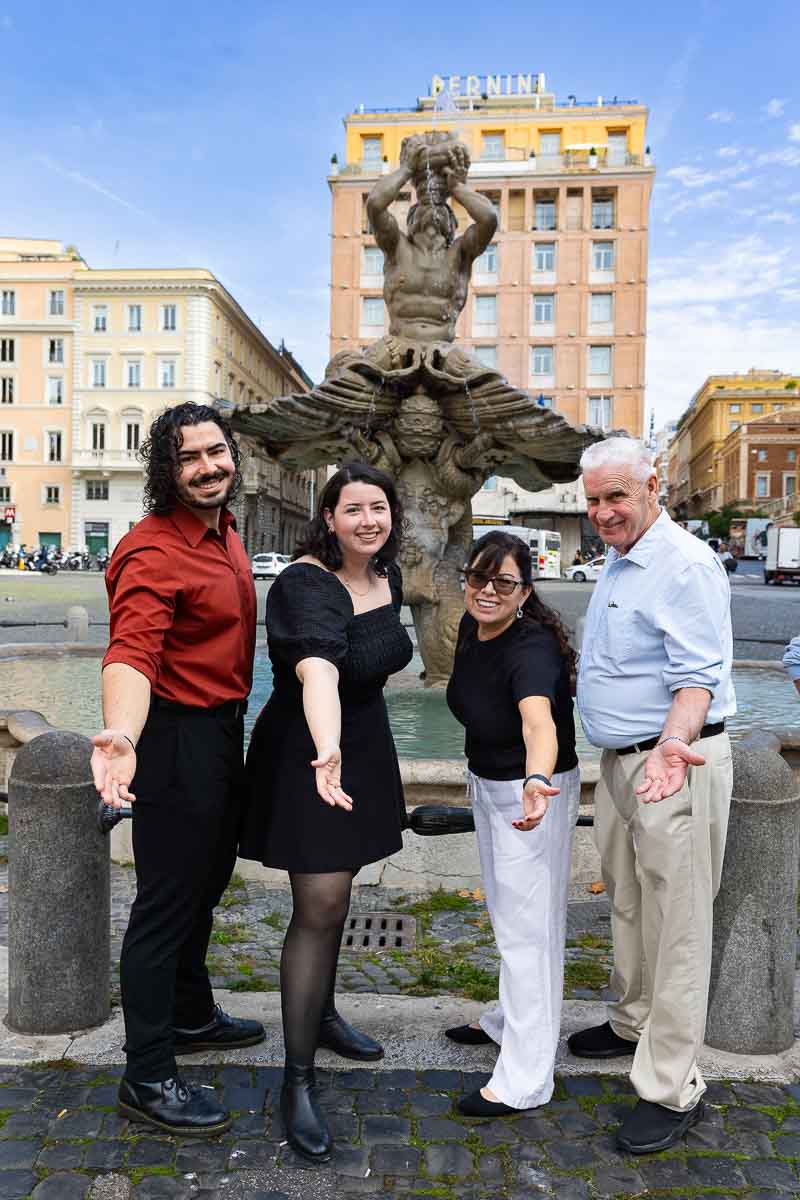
(305, 1126)
(335, 1034)
(173, 1106)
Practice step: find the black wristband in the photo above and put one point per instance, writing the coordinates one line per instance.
(543, 778)
(127, 739)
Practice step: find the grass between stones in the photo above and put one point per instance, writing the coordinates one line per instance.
(581, 974)
(3, 824)
(224, 935)
(235, 893)
(274, 920)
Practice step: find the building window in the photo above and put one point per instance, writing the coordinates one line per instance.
(100, 318)
(8, 303)
(55, 389)
(735, 408)
(544, 401)
(544, 214)
(733, 426)
(132, 432)
(788, 485)
(778, 407)
(486, 310)
(602, 256)
(599, 360)
(494, 147)
(55, 350)
(98, 372)
(543, 309)
(372, 261)
(791, 455)
(6, 350)
(52, 494)
(600, 411)
(486, 264)
(133, 373)
(617, 149)
(169, 318)
(372, 312)
(541, 360)
(371, 150)
(602, 212)
(167, 373)
(757, 409)
(55, 307)
(491, 484)
(6, 446)
(486, 355)
(601, 308)
(5, 493)
(544, 256)
(54, 447)
(7, 389)
(98, 436)
(134, 318)
(762, 486)
(549, 145)
(96, 489)
(762, 456)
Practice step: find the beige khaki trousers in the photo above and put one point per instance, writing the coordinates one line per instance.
(661, 865)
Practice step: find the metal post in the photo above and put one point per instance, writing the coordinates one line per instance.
(59, 938)
(755, 915)
(77, 623)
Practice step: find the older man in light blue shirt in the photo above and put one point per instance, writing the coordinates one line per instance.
(654, 690)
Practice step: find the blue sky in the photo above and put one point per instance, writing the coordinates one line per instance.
(199, 135)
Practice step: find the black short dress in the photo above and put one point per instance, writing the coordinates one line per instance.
(310, 615)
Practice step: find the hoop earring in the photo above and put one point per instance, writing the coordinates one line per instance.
(519, 613)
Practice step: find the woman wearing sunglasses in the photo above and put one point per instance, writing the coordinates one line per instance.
(511, 689)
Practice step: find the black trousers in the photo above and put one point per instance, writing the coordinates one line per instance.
(186, 818)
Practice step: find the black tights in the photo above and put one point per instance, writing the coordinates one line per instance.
(309, 958)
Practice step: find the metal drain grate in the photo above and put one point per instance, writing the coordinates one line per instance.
(379, 931)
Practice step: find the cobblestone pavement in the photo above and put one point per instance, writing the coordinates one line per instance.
(397, 1135)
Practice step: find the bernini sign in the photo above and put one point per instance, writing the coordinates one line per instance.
(488, 85)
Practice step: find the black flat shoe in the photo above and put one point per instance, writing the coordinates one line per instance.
(305, 1126)
(465, 1035)
(223, 1032)
(599, 1042)
(476, 1105)
(174, 1106)
(335, 1034)
(651, 1127)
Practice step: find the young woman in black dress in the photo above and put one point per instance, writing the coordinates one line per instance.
(324, 777)
(511, 688)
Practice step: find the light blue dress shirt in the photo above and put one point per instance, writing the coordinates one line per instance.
(791, 659)
(659, 620)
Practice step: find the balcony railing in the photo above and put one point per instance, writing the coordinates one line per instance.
(517, 162)
(783, 506)
(107, 460)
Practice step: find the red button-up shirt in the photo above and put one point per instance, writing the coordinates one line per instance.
(183, 608)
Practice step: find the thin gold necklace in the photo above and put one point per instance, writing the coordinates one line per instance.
(350, 588)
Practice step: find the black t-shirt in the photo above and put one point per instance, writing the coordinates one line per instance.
(490, 678)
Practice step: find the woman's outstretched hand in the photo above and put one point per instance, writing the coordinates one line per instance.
(328, 767)
(535, 802)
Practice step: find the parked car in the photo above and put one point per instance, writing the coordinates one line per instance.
(588, 570)
(269, 566)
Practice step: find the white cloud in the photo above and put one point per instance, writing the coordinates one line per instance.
(723, 115)
(666, 105)
(691, 177)
(794, 132)
(701, 201)
(728, 151)
(712, 274)
(788, 157)
(779, 217)
(775, 107)
(85, 181)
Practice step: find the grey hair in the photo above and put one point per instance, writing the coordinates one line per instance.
(619, 452)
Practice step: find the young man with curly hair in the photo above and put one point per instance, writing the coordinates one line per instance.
(176, 677)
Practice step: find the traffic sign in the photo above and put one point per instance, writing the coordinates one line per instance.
(10, 514)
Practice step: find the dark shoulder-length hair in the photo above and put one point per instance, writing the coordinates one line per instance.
(324, 545)
(488, 553)
(159, 453)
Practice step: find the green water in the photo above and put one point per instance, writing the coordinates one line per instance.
(67, 691)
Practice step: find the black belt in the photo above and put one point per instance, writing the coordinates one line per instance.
(649, 743)
(231, 708)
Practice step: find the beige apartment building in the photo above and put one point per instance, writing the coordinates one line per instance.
(558, 300)
(87, 360)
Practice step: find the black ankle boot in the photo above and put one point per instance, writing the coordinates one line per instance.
(306, 1130)
(335, 1034)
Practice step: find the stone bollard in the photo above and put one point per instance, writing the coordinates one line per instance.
(77, 623)
(751, 999)
(59, 938)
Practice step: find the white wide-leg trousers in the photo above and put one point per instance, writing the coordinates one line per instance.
(526, 880)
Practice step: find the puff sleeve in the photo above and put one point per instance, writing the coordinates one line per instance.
(308, 611)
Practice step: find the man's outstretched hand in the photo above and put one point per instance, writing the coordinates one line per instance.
(665, 770)
(113, 765)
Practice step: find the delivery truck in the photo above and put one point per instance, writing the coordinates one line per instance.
(783, 554)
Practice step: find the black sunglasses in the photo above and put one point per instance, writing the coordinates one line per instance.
(504, 585)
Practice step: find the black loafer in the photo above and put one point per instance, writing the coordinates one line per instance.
(221, 1033)
(651, 1127)
(599, 1042)
(335, 1034)
(174, 1106)
(465, 1035)
(476, 1105)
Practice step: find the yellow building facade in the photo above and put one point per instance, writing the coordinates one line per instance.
(89, 379)
(558, 301)
(718, 408)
